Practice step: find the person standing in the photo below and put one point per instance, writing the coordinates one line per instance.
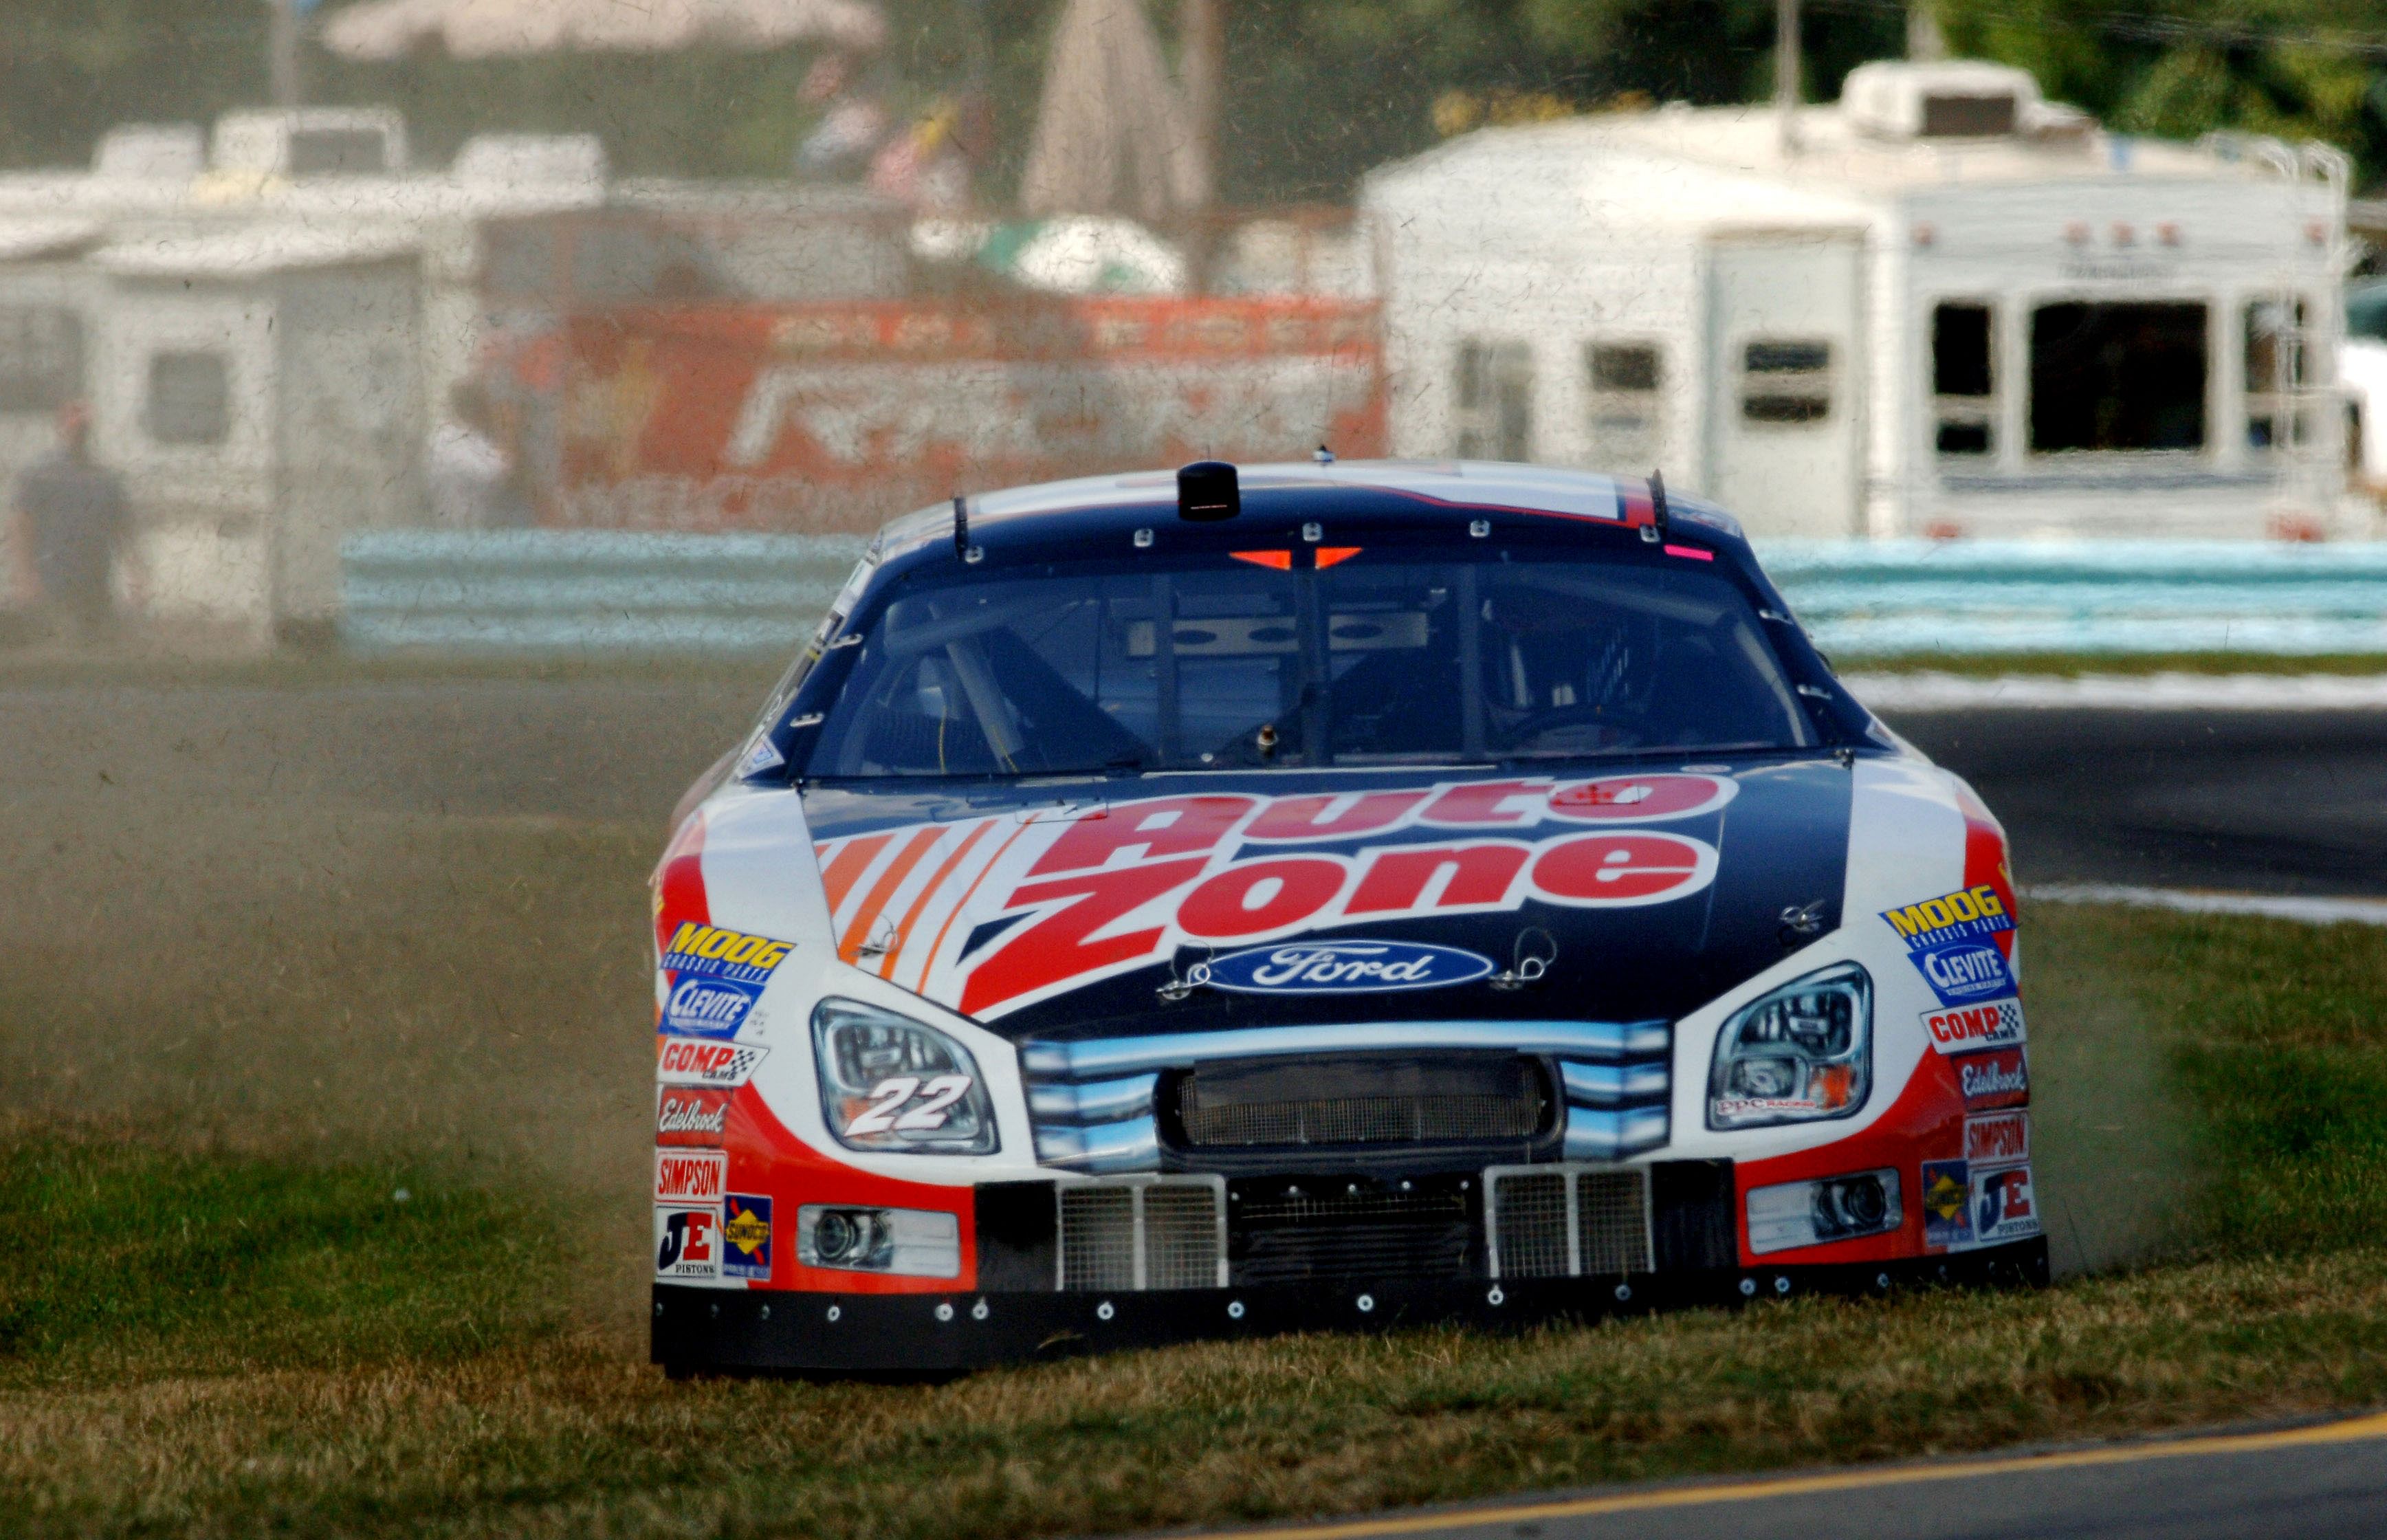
(75, 521)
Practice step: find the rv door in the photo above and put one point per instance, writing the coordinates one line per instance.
(1785, 377)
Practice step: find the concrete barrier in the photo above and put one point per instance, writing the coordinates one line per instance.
(588, 590)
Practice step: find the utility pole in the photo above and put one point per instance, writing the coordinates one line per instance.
(282, 49)
(1786, 74)
(1202, 67)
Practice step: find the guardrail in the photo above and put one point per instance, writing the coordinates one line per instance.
(588, 590)
(540, 590)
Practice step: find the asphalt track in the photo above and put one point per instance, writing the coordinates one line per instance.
(2320, 1483)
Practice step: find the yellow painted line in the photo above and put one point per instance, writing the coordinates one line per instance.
(2373, 1426)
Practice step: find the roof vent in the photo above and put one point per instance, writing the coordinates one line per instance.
(1207, 491)
(158, 152)
(1945, 99)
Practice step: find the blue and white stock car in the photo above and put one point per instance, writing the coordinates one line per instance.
(1201, 904)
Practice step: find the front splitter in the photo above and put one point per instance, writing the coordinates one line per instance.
(734, 1330)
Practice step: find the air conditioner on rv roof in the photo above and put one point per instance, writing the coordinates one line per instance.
(313, 141)
(1945, 99)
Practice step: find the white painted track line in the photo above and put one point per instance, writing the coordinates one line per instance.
(1929, 691)
(2310, 911)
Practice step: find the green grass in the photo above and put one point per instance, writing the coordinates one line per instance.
(203, 1339)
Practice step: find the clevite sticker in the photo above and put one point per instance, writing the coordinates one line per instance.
(690, 1176)
(1998, 1079)
(1947, 1204)
(1997, 1138)
(716, 975)
(688, 1242)
(1948, 940)
(1342, 967)
(691, 1115)
(746, 1237)
(991, 915)
(682, 1061)
(2005, 1207)
(1962, 1028)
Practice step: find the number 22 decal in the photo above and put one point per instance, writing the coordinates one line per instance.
(889, 1094)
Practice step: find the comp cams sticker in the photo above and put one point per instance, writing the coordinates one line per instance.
(685, 1061)
(1951, 942)
(1962, 1028)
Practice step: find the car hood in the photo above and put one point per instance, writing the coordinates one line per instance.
(1193, 904)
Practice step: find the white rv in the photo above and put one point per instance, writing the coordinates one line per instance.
(1938, 306)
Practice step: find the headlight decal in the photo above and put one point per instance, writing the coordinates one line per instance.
(890, 1084)
(1802, 1052)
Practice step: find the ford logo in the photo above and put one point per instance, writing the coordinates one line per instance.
(708, 1007)
(1340, 967)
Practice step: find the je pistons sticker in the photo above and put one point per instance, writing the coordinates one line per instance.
(688, 1242)
(1342, 967)
(2004, 1209)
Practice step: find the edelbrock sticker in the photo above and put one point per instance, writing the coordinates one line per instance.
(1995, 1080)
(2004, 1209)
(746, 1236)
(1342, 967)
(688, 1242)
(683, 1061)
(1962, 1028)
(691, 1115)
(690, 1176)
(1947, 1204)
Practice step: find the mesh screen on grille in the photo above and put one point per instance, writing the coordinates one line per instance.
(1531, 1215)
(1612, 1209)
(1362, 1100)
(1374, 1233)
(1180, 1237)
(1097, 1238)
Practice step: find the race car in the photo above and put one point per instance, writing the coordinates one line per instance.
(1318, 896)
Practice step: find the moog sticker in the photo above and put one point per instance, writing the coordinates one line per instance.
(1948, 939)
(715, 977)
(994, 914)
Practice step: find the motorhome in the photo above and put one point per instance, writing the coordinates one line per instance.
(1941, 305)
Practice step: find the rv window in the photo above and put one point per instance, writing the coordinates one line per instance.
(1962, 383)
(2117, 376)
(190, 398)
(1786, 380)
(338, 152)
(1495, 400)
(40, 356)
(1967, 116)
(2276, 368)
(1624, 380)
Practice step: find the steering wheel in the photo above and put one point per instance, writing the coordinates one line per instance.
(1581, 715)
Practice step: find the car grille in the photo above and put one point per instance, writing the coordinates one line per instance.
(1571, 1220)
(1344, 1231)
(1358, 1101)
(1142, 1234)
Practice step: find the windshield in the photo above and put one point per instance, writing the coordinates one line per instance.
(1313, 657)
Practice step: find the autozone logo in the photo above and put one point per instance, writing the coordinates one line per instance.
(1961, 1028)
(994, 914)
(692, 1176)
(683, 1061)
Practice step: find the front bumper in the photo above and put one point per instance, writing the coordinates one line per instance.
(700, 1330)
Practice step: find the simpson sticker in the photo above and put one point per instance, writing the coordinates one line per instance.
(991, 915)
(1997, 1138)
(1966, 915)
(746, 1237)
(680, 1061)
(1963, 973)
(708, 1007)
(690, 1176)
(712, 951)
(1342, 967)
(1995, 1080)
(1962, 1028)
(688, 1242)
(1947, 1204)
(2003, 1205)
(691, 1115)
